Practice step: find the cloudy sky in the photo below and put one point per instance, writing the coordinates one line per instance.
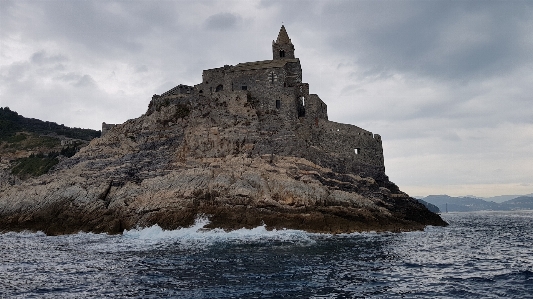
(447, 84)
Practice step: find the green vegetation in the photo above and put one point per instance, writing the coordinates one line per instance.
(11, 123)
(35, 165)
(27, 141)
(69, 151)
(17, 138)
(20, 136)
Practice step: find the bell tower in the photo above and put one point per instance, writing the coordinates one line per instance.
(282, 47)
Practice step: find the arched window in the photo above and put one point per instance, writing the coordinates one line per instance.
(278, 104)
(219, 88)
(281, 53)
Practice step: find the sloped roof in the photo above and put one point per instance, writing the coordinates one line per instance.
(177, 90)
(283, 37)
(265, 64)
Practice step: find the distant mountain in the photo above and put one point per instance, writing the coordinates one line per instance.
(460, 204)
(502, 198)
(469, 204)
(519, 203)
(433, 208)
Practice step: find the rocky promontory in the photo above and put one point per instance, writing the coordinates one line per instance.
(247, 146)
(217, 156)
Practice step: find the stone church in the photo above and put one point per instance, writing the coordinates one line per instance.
(287, 119)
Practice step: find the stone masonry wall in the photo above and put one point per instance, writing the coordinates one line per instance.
(315, 108)
(106, 128)
(352, 141)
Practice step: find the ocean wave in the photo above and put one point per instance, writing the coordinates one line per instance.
(197, 233)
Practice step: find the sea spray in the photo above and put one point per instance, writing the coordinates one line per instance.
(199, 235)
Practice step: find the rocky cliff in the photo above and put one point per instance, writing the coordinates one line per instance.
(212, 155)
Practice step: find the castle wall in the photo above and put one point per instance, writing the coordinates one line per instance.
(350, 141)
(315, 108)
(106, 128)
(266, 82)
(213, 78)
(293, 72)
(258, 80)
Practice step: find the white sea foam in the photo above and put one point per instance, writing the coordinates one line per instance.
(197, 233)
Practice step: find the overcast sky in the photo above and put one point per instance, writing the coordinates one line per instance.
(447, 84)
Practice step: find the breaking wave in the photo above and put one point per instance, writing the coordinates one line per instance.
(198, 234)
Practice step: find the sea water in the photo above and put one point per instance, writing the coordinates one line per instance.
(480, 255)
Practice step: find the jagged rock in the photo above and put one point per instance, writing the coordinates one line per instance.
(241, 157)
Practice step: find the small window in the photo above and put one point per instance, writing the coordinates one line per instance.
(281, 53)
(244, 87)
(278, 104)
(357, 151)
(201, 91)
(219, 88)
(303, 101)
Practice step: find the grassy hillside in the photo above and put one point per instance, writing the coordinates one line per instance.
(31, 147)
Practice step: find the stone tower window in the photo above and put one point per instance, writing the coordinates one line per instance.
(281, 53)
(219, 88)
(301, 107)
(357, 151)
(244, 87)
(278, 104)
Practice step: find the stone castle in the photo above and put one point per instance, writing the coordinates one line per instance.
(248, 146)
(290, 120)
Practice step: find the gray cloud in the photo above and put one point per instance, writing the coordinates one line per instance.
(42, 57)
(222, 21)
(459, 41)
(447, 84)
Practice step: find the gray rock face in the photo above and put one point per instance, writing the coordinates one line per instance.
(212, 156)
(248, 145)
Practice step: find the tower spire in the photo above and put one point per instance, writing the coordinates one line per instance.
(283, 37)
(282, 47)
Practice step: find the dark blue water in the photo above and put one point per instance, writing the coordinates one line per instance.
(480, 255)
